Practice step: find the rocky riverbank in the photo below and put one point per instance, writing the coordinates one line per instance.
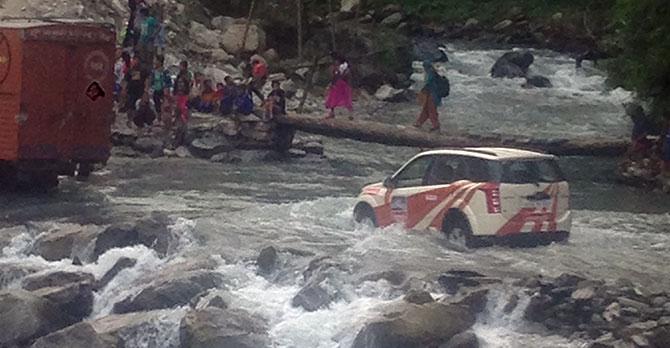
(194, 302)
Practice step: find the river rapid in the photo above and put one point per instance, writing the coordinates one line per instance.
(303, 207)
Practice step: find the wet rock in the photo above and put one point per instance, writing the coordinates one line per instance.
(659, 301)
(537, 81)
(512, 303)
(75, 300)
(453, 283)
(311, 298)
(267, 260)
(116, 236)
(297, 153)
(502, 25)
(214, 327)
(119, 330)
(233, 36)
(612, 312)
(170, 292)
(466, 339)
(584, 294)
(62, 243)
(12, 272)
(229, 127)
(148, 145)
(210, 146)
(120, 265)
(26, 316)
(660, 337)
(393, 20)
(153, 232)
(640, 341)
(394, 277)
(475, 300)
(389, 94)
(512, 65)
(418, 297)
(415, 326)
(225, 157)
(81, 335)
(627, 302)
(183, 152)
(537, 308)
(55, 279)
(217, 302)
(638, 328)
(566, 280)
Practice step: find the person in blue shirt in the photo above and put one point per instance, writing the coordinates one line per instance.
(429, 99)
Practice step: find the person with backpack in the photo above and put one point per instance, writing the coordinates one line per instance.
(430, 97)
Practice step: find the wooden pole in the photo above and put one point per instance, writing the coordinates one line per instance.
(332, 25)
(246, 28)
(300, 48)
(310, 84)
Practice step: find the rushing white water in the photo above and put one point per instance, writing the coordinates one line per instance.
(227, 214)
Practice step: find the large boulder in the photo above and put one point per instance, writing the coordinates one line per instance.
(312, 297)
(466, 339)
(170, 292)
(233, 37)
(63, 243)
(153, 232)
(80, 335)
(209, 146)
(512, 65)
(75, 300)
(13, 272)
(55, 279)
(413, 326)
(121, 330)
(26, 316)
(215, 327)
(537, 81)
(222, 22)
(267, 260)
(72, 292)
(203, 36)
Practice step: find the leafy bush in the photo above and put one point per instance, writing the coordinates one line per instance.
(644, 64)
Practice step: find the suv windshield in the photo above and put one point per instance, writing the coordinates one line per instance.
(527, 171)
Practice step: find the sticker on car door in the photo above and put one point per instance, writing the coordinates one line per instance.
(399, 209)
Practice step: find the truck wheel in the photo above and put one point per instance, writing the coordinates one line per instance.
(364, 214)
(38, 180)
(84, 170)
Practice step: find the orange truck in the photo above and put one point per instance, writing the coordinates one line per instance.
(56, 107)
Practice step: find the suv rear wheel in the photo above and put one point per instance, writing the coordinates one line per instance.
(458, 232)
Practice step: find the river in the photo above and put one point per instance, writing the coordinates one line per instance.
(303, 207)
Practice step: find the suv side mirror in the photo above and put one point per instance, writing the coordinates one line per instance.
(389, 182)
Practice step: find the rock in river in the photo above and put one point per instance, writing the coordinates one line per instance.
(81, 335)
(26, 316)
(214, 327)
(412, 326)
(512, 64)
(177, 290)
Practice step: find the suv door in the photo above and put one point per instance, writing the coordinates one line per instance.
(421, 188)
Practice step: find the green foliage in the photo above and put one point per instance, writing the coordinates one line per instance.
(644, 64)
(488, 10)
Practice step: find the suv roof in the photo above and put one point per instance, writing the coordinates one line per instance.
(490, 153)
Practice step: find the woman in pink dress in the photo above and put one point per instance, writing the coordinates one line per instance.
(339, 93)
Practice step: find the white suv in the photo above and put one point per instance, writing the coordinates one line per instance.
(475, 196)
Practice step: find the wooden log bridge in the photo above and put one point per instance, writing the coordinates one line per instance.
(399, 135)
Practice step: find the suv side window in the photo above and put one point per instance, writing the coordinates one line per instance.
(413, 174)
(443, 171)
(477, 169)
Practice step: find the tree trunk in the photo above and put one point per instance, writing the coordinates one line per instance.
(300, 10)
